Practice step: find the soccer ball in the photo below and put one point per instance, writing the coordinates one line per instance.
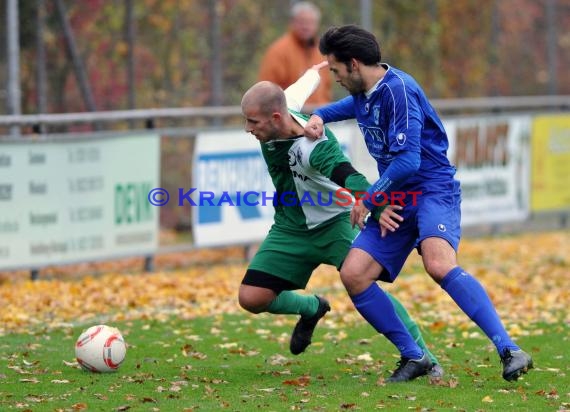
(100, 348)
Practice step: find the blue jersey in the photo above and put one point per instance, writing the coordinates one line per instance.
(397, 117)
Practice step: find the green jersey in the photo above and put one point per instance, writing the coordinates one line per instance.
(301, 170)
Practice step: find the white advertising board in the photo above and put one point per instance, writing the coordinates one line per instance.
(66, 201)
(493, 165)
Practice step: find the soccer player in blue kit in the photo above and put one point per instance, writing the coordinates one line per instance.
(407, 139)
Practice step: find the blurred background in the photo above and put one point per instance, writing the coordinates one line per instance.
(77, 75)
(178, 53)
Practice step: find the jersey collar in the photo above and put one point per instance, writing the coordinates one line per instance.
(371, 90)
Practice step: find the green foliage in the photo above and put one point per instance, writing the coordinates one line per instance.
(241, 362)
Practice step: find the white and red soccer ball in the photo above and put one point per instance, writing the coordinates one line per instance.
(100, 348)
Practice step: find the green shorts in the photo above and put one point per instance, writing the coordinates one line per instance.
(293, 255)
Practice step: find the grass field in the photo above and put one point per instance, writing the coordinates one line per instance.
(192, 349)
(237, 363)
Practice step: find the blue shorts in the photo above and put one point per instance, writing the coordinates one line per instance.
(437, 213)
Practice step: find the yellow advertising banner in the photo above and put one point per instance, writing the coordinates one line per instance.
(550, 172)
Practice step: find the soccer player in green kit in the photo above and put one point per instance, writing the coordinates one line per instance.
(306, 231)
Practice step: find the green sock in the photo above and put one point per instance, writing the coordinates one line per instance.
(412, 326)
(292, 303)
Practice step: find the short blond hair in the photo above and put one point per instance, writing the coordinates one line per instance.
(265, 96)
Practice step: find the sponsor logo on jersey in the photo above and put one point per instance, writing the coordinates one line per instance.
(292, 159)
(376, 114)
(295, 157)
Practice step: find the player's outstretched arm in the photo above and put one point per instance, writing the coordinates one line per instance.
(320, 65)
(298, 93)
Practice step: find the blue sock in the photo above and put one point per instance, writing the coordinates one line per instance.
(375, 306)
(470, 296)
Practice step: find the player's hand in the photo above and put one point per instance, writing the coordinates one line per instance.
(320, 65)
(358, 214)
(389, 219)
(314, 127)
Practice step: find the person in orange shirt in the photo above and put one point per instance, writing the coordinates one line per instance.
(288, 57)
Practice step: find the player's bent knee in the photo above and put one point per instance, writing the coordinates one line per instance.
(437, 270)
(251, 301)
(347, 277)
(353, 282)
(251, 305)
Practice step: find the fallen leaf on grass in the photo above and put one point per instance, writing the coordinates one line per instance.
(365, 357)
(34, 398)
(199, 355)
(278, 360)
(186, 349)
(556, 370)
(19, 370)
(194, 338)
(227, 345)
(552, 394)
(301, 381)
(451, 383)
(28, 363)
(269, 390)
